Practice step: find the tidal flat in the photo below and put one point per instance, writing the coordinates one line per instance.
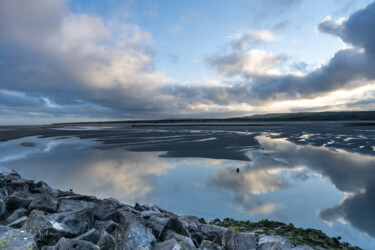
(312, 174)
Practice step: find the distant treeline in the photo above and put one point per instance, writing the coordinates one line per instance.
(306, 116)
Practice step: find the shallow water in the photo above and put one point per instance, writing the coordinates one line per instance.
(312, 175)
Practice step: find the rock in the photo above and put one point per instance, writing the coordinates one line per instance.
(233, 240)
(73, 196)
(173, 225)
(106, 241)
(273, 243)
(92, 235)
(207, 228)
(190, 222)
(15, 239)
(139, 207)
(302, 248)
(110, 203)
(149, 213)
(18, 223)
(116, 215)
(44, 202)
(209, 245)
(2, 207)
(68, 205)
(197, 238)
(68, 244)
(3, 193)
(143, 247)
(40, 187)
(37, 222)
(20, 185)
(171, 244)
(47, 231)
(75, 222)
(213, 233)
(184, 241)
(131, 233)
(18, 200)
(16, 215)
(157, 223)
(108, 226)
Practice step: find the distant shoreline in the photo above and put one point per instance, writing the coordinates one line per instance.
(281, 117)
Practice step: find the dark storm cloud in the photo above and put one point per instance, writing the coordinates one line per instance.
(357, 30)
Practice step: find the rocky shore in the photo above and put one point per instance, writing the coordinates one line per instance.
(35, 216)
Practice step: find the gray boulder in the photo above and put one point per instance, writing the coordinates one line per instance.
(213, 233)
(18, 200)
(75, 222)
(209, 245)
(92, 235)
(19, 184)
(18, 223)
(15, 239)
(303, 247)
(131, 233)
(68, 244)
(233, 240)
(273, 243)
(206, 228)
(68, 205)
(40, 187)
(190, 222)
(106, 241)
(116, 215)
(3, 193)
(184, 241)
(108, 226)
(171, 244)
(174, 225)
(2, 207)
(16, 215)
(47, 231)
(37, 221)
(44, 202)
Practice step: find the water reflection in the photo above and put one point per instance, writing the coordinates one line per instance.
(73, 163)
(351, 173)
(285, 181)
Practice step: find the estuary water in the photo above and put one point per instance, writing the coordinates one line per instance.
(313, 174)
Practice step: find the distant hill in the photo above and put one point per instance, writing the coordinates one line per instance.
(303, 116)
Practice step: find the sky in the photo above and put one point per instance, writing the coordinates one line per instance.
(87, 60)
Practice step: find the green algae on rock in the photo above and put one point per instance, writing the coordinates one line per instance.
(298, 236)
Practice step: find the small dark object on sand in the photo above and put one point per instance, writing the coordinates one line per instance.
(237, 170)
(28, 144)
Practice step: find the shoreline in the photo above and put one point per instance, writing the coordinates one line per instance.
(36, 216)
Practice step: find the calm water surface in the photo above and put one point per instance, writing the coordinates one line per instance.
(312, 175)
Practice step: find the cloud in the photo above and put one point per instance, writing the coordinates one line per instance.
(355, 30)
(51, 55)
(241, 40)
(258, 79)
(253, 62)
(50, 52)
